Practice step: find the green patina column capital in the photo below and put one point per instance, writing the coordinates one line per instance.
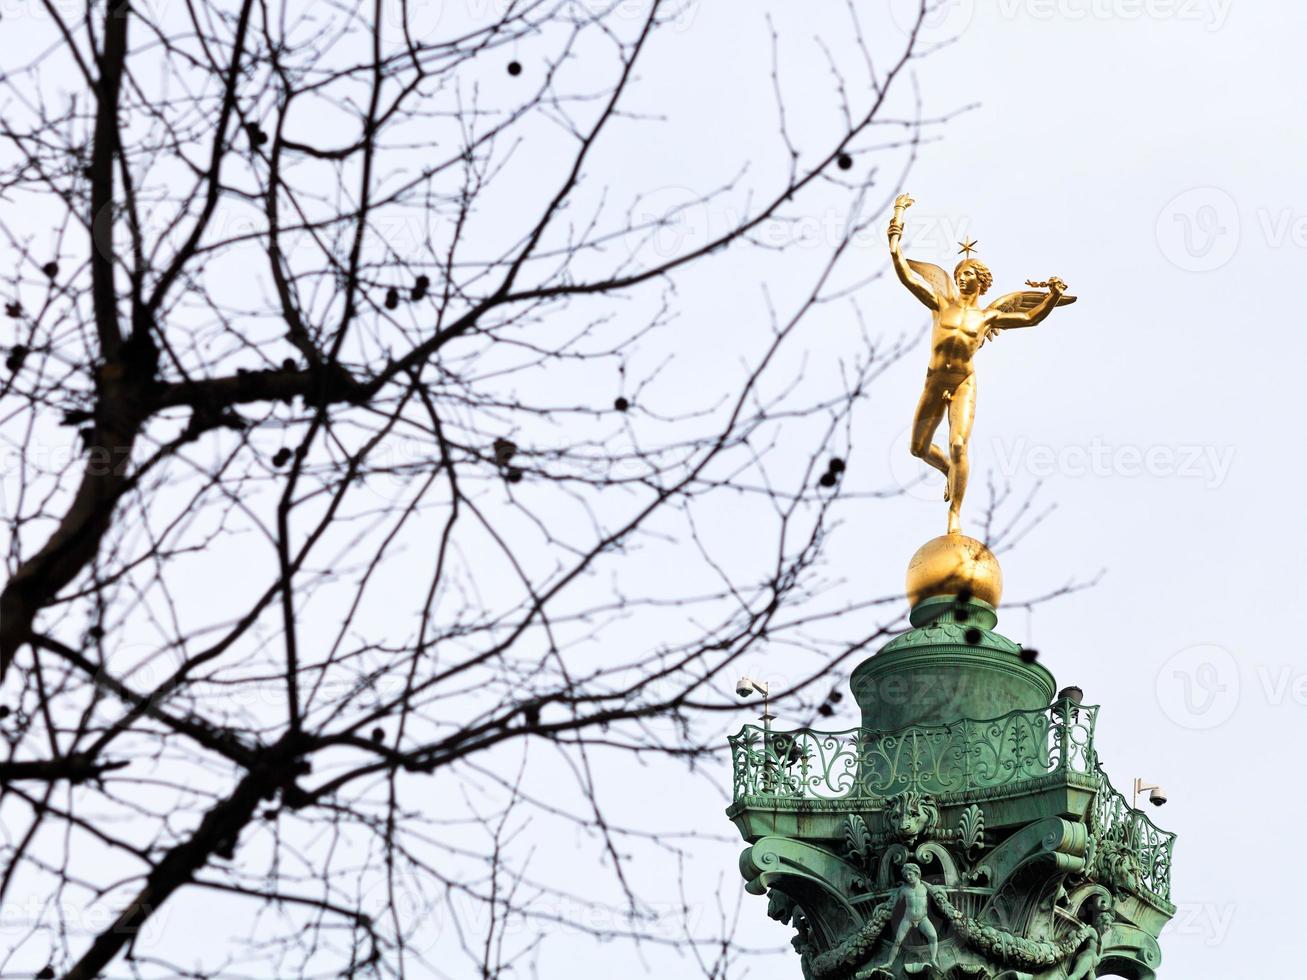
(965, 830)
(949, 665)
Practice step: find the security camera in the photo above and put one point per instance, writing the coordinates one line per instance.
(1156, 795)
(744, 687)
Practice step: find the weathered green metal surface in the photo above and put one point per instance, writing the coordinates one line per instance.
(990, 838)
(951, 665)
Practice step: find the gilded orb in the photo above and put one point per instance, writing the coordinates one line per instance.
(951, 564)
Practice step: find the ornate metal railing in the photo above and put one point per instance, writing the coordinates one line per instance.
(1130, 849)
(966, 755)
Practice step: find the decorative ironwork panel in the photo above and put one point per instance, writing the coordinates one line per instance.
(965, 755)
(1131, 849)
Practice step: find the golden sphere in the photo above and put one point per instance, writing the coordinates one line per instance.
(954, 563)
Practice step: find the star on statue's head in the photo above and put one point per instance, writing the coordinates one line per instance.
(967, 247)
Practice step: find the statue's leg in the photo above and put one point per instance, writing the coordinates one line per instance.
(930, 412)
(1082, 967)
(904, 928)
(961, 415)
(927, 929)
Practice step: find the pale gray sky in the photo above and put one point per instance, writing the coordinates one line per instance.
(1148, 152)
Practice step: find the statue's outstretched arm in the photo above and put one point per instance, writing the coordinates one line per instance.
(1007, 319)
(916, 283)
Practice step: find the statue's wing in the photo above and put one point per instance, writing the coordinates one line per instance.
(1022, 301)
(1025, 300)
(939, 280)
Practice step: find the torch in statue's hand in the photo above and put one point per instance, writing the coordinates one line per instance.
(901, 204)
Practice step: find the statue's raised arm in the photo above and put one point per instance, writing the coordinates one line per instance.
(929, 283)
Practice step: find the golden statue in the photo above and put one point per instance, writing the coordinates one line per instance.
(960, 326)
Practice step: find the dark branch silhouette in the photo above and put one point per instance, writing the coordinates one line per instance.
(368, 482)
